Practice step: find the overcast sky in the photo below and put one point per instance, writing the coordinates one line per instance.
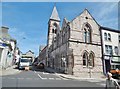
(29, 20)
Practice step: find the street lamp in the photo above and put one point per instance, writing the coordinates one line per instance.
(64, 60)
(89, 68)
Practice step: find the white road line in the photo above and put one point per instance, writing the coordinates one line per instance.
(35, 72)
(20, 78)
(65, 79)
(51, 78)
(45, 73)
(41, 77)
(58, 78)
(44, 78)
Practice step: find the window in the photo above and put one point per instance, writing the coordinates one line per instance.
(91, 60)
(54, 30)
(85, 36)
(105, 36)
(87, 33)
(88, 37)
(119, 38)
(85, 58)
(108, 50)
(116, 50)
(0, 53)
(109, 37)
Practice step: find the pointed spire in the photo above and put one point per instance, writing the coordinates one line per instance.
(54, 14)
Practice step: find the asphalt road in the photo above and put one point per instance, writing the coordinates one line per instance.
(40, 78)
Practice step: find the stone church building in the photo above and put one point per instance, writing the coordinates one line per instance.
(74, 48)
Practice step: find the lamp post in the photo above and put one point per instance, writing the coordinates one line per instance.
(89, 69)
(64, 60)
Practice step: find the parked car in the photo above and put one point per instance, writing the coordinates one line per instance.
(115, 73)
(40, 65)
(23, 63)
(35, 63)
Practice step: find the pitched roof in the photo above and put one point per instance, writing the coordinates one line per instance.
(110, 29)
(54, 15)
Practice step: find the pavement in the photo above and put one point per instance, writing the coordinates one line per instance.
(9, 71)
(67, 76)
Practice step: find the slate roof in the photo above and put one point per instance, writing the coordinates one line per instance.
(54, 15)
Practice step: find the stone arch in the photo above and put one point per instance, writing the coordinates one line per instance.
(85, 58)
(55, 27)
(87, 32)
(91, 59)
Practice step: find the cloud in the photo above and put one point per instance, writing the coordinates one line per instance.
(106, 9)
(27, 42)
(17, 33)
(107, 13)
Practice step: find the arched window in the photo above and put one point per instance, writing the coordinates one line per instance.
(85, 59)
(105, 36)
(116, 50)
(109, 37)
(85, 36)
(87, 33)
(54, 30)
(91, 60)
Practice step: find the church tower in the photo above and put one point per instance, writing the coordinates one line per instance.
(53, 26)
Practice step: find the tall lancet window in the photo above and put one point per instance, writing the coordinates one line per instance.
(87, 33)
(85, 36)
(54, 30)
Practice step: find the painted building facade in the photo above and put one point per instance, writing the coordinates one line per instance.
(111, 48)
(7, 48)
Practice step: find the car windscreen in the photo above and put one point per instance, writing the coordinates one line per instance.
(116, 67)
(25, 60)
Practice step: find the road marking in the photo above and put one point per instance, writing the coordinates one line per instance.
(58, 78)
(51, 78)
(45, 73)
(44, 78)
(20, 78)
(35, 72)
(41, 77)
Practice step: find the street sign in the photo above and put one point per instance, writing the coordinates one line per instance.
(3, 44)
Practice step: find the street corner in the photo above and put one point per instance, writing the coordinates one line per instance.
(10, 71)
(72, 77)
